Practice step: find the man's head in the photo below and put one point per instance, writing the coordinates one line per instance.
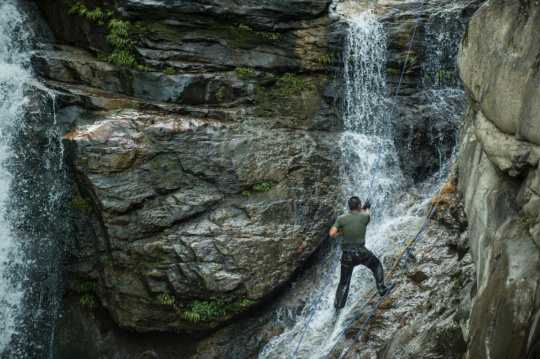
(354, 203)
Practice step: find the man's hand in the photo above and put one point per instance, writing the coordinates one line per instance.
(367, 205)
(334, 232)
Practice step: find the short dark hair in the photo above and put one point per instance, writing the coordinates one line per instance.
(149, 354)
(354, 203)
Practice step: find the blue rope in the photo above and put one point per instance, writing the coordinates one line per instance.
(369, 191)
(395, 101)
(317, 302)
(395, 279)
(349, 324)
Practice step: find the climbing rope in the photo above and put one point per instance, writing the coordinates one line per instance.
(441, 195)
(391, 285)
(395, 101)
(318, 300)
(374, 171)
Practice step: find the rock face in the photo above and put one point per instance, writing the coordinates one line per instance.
(500, 147)
(207, 176)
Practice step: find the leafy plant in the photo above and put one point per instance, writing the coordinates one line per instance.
(246, 193)
(457, 284)
(193, 317)
(269, 35)
(270, 75)
(80, 204)
(169, 71)
(166, 299)
(95, 15)
(245, 27)
(244, 72)
(88, 301)
(85, 287)
(220, 94)
(264, 187)
(293, 84)
(120, 35)
(325, 59)
(442, 74)
(265, 34)
(392, 71)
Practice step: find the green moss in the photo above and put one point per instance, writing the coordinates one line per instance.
(292, 84)
(246, 193)
(243, 72)
(245, 27)
(149, 265)
(264, 187)
(265, 34)
(443, 74)
(392, 71)
(269, 35)
(80, 204)
(220, 94)
(169, 71)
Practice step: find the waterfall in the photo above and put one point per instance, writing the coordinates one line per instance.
(33, 185)
(366, 112)
(13, 74)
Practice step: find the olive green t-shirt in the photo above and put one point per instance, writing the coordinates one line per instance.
(353, 225)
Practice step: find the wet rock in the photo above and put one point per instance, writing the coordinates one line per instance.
(175, 220)
(499, 146)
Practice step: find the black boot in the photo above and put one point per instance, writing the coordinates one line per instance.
(378, 273)
(341, 295)
(382, 289)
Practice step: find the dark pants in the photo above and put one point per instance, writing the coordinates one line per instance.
(349, 260)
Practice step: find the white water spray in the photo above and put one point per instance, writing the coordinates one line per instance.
(367, 110)
(366, 116)
(13, 74)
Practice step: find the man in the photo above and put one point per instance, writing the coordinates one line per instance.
(353, 228)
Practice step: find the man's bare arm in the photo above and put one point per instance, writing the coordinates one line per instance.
(334, 232)
(367, 210)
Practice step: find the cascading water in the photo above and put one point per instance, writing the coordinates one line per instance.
(440, 79)
(366, 115)
(13, 74)
(33, 184)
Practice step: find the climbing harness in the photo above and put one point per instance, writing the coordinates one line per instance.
(368, 196)
(410, 246)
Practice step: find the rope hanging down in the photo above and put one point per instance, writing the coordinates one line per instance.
(374, 171)
(318, 300)
(432, 209)
(395, 100)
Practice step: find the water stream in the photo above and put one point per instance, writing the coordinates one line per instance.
(366, 113)
(33, 185)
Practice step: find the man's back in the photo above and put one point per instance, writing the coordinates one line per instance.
(353, 225)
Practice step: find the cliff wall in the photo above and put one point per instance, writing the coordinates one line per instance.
(499, 64)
